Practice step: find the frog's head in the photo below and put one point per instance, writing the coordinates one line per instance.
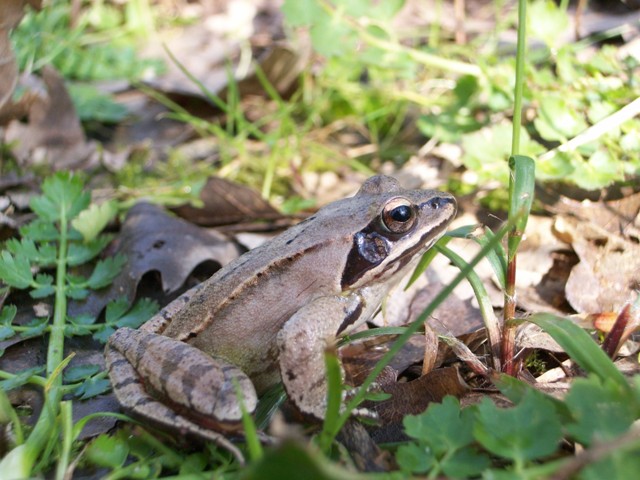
(402, 225)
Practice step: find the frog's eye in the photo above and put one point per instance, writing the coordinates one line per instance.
(398, 216)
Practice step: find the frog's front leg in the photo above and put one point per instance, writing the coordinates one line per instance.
(303, 341)
(177, 386)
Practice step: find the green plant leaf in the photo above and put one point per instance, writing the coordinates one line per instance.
(80, 372)
(486, 150)
(6, 332)
(497, 257)
(20, 378)
(414, 458)
(77, 292)
(15, 271)
(92, 387)
(106, 270)
(44, 255)
(42, 291)
(44, 286)
(546, 19)
(92, 104)
(91, 222)
(80, 253)
(521, 191)
(116, 309)
(40, 230)
(103, 334)
(443, 426)
(7, 314)
(80, 325)
(108, 451)
(331, 36)
(528, 431)
(62, 193)
(119, 315)
(515, 390)
(601, 411)
(558, 118)
(465, 463)
(194, 463)
(620, 464)
(302, 13)
(600, 170)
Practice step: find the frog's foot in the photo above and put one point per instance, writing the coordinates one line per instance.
(178, 386)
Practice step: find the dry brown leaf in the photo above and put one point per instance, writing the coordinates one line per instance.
(619, 217)
(54, 134)
(152, 240)
(226, 202)
(412, 398)
(609, 268)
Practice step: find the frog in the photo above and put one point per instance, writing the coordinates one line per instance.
(270, 315)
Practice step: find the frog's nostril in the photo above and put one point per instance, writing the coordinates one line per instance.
(440, 202)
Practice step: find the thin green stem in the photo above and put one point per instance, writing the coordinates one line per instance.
(53, 394)
(33, 379)
(520, 55)
(509, 327)
(67, 439)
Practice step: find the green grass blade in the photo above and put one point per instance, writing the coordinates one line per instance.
(486, 308)
(497, 257)
(250, 430)
(521, 190)
(425, 261)
(581, 348)
(334, 401)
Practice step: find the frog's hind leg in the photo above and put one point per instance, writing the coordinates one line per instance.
(183, 388)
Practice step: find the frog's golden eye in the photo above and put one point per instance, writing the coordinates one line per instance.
(398, 215)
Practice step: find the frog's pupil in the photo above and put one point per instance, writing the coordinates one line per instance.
(401, 213)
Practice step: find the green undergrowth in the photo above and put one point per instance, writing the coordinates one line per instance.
(46, 262)
(532, 438)
(98, 44)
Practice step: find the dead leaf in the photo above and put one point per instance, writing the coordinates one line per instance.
(226, 202)
(619, 217)
(359, 358)
(609, 268)
(152, 240)
(221, 40)
(412, 398)
(11, 12)
(53, 134)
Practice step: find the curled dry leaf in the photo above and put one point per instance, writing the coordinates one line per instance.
(609, 268)
(226, 202)
(53, 134)
(153, 240)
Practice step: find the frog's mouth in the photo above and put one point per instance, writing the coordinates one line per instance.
(373, 247)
